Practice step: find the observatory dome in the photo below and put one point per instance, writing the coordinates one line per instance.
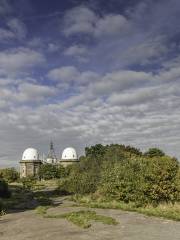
(69, 154)
(30, 154)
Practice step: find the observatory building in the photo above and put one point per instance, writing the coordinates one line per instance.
(69, 156)
(31, 162)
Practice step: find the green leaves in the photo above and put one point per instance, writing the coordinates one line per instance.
(50, 171)
(141, 180)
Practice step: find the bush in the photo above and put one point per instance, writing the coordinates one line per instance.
(160, 180)
(122, 173)
(83, 183)
(28, 182)
(141, 180)
(81, 178)
(9, 174)
(49, 171)
(4, 191)
(154, 152)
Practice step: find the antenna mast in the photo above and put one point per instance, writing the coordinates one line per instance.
(51, 154)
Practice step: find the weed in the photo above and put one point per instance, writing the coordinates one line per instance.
(83, 218)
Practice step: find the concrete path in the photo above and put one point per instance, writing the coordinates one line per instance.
(132, 226)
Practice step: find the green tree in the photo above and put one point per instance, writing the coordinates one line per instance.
(49, 171)
(95, 151)
(141, 180)
(9, 174)
(154, 152)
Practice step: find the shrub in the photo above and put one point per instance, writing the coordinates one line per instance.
(160, 180)
(49, 171)
(81, 179)
(154, 152)
(81, 183)
(9, 174)
(28, 182)
(141, 180)
(122, 173)
(4, 191)
(121, 181)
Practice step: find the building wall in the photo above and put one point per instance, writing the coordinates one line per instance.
(29, 168)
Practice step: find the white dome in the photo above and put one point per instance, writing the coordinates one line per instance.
(30, 154)
(69, 154)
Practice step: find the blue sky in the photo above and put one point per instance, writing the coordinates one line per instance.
(86, 72)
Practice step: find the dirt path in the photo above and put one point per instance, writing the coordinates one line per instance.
(132, 226)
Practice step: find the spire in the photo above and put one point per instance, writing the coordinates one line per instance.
(51, 154)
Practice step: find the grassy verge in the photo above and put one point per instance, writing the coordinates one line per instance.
(167, 211)
(84, 218)
(81, 218)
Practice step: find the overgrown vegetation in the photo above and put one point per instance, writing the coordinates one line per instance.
(9, 174)
(112, 176)
(4, 190)
(125, 174)
(50, 171)
(28, 183)
(168, 211)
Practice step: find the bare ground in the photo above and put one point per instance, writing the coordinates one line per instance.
(132, 226)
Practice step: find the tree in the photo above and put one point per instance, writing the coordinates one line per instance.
(154, 152)
(9, 174)
(49, 171)
(97, 150)
(141, 180)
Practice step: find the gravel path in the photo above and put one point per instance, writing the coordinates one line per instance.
(132, 226)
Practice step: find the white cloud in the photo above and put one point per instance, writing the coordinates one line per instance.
(67, 73)
(146, 50)
(76, 51)
(112, 25)
(134, 97)
(83, 20)
(121, 80)
(79, 20)
(24, 92)
(17, 27)
(142, 115)
(171, 75)
(19, 59)
(33, 92)
(71, 73)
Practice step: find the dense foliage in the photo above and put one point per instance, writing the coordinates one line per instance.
(4, 191)
(28, 182)
(9, 174)
(123, 173)
(141, 180)
(154, 152)
(50, 171)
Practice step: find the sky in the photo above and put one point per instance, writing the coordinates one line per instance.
(85, 72)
